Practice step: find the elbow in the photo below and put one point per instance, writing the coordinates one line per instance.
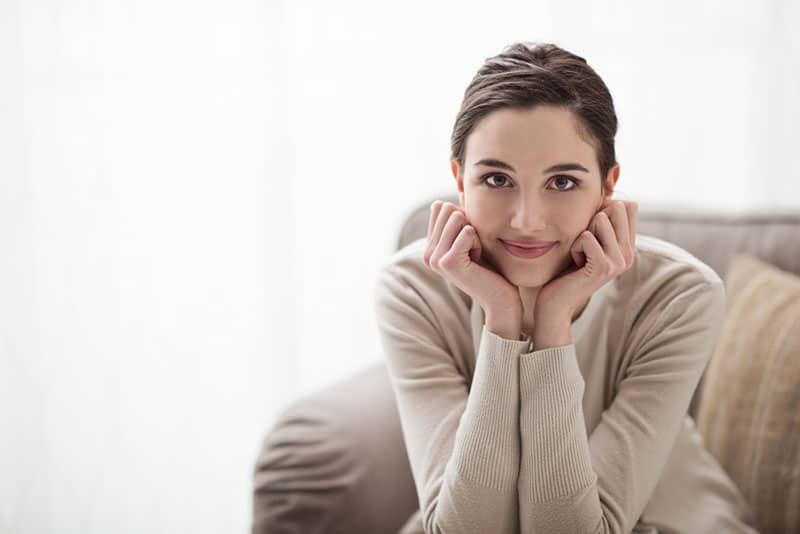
(430, 520)
(611, 523)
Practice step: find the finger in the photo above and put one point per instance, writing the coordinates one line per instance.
(444, 215)
(441, 219)
(578, 256)
(618, 216)
(588, 245)
(604, 232)
(451, 229)
(606, 203)
(464, 241)
(435, 207)
(633, 214)
(476, 249)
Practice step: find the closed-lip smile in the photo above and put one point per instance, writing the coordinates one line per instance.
(528, 252)
(529, 244)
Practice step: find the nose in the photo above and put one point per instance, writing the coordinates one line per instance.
(530, 214)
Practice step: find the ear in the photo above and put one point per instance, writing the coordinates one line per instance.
(459, 178)
(611, 181)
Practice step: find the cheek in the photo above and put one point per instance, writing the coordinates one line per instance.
(574, 221)
(481, 217)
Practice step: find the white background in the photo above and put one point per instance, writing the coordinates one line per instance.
(195, 198)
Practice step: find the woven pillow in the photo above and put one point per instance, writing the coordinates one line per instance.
(749, 412)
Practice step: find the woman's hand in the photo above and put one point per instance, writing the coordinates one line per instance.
(601, 253)
(454, 252)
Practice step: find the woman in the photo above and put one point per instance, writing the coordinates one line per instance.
(543, 356)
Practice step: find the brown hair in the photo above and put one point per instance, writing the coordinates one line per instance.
(527, 74)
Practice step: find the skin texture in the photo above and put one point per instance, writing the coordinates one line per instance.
(528, 203)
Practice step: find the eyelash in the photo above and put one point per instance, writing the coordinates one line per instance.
(577, 182)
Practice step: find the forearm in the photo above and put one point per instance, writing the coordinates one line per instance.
(503, 322)
(553, 329)
(479, 487)
(556, 475)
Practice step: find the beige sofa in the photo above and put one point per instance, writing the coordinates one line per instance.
(335, 461)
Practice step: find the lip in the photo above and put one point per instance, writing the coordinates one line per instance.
(528, 243)
(527, 252)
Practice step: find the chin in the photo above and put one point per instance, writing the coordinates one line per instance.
(529, 281)
(530, 277)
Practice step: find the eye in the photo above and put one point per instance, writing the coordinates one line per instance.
(486, 178)
(569, 178)
(561, 180)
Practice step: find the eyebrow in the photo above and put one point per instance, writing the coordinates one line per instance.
(558, 167)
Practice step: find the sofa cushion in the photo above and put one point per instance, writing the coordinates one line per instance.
(749, 414)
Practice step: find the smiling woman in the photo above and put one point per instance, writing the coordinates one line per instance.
(586, 342)
(536, 113)
(532, 201)
(542, 355)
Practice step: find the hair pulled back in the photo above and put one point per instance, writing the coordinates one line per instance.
(527, 74)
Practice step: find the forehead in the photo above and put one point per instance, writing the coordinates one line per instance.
(531, 138)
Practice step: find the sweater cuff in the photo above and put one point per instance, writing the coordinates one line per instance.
(501, 345)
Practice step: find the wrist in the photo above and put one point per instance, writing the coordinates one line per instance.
(552, 316)
(504, 324)
(552, 330)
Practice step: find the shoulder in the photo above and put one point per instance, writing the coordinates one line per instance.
(662, 265)
(661, 256)
(667, 281)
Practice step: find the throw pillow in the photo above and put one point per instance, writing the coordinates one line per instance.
(749, 414)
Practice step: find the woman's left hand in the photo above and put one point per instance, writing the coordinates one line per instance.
(601, 253)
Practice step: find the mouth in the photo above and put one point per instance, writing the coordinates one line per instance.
(527, 252)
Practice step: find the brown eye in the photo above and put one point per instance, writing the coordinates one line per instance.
(560, 180)
(490, 176)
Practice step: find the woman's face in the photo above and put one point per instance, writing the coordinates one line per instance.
(510, 188)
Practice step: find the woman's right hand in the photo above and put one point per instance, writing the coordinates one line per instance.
(454, 251)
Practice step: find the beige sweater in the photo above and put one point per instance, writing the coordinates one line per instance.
(588, 437)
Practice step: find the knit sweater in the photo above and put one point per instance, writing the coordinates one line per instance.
(593, 436)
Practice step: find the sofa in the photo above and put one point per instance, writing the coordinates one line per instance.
(334, 460)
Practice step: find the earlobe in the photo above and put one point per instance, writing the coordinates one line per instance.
(613, 176)
(611, 181)
(456, 176)
(454, 167)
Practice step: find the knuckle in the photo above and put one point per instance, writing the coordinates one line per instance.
(447, 210)
(447, 262)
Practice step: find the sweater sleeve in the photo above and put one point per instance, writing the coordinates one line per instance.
(462, 441)
(569, 482)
